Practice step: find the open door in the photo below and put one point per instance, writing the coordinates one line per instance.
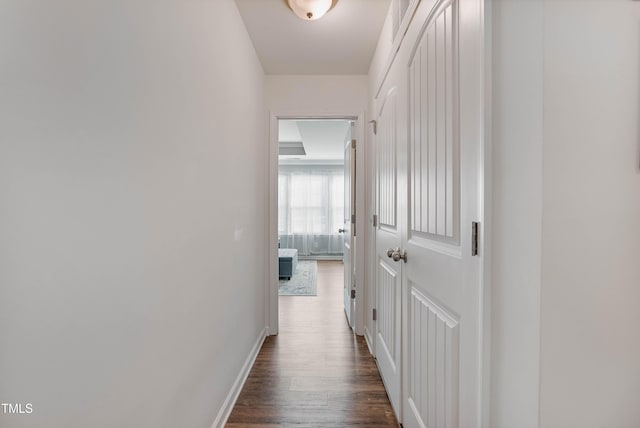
(348, 230)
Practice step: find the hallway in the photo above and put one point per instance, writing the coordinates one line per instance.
(315, 372)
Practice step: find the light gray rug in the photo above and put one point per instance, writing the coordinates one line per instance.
(303, 282)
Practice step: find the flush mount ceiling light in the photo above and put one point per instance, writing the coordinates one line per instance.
(310, 10)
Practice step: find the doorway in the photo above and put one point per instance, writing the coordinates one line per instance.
(314, 204)
(312, 207)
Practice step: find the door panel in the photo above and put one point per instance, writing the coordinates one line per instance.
(441, 279)
(435, 166)
(387, 164)
(388, 296)
(388, 273)
(433, 387)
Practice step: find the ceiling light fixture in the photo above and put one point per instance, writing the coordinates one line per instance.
(310, 10)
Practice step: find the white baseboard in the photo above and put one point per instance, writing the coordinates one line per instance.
(367, 339)
(232, 397)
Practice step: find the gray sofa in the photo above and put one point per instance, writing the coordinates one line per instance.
(287, 262)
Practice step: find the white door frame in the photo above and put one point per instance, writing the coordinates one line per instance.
(485, 196)
(271, 296)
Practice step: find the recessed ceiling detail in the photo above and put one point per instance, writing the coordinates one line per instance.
(293, 148)
(315, 139)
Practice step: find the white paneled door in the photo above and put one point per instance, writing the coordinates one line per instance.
(441, 281)
(388, 237)
(348, 229)
(430, 165)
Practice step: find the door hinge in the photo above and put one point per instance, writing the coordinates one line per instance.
(474, 237)
(353, 143)
(353, 222)
(375, 126)
(375, 220)
(375, 314)
(353, 294)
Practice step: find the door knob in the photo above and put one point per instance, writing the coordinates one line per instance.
(399, 255)
(341, 230)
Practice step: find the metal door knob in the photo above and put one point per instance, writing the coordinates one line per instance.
(341, 230)
(398, 255)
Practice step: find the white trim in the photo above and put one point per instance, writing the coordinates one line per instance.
(486, 224)
(361, 218)
(272, 226)
(397, 42)
(437, 308)
(361, 222)
(369, 342)
(232, 397)
(267, 236)
(446, 248)
(337, 162)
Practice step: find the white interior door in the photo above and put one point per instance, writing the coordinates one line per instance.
(348, 229)
(388, 236)
(441, 278)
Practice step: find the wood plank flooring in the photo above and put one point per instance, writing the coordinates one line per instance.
(316, 372)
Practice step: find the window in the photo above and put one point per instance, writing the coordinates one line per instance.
(311, 207)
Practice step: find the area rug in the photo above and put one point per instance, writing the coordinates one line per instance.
(303, 282)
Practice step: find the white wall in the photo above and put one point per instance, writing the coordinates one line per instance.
(316, 95)
(381, 56)
(304, 96)
(566, 214)
(132, 170)
(517, 211)
(590, 348)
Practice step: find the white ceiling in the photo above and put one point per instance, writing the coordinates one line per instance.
(323, 139)
(341, 42)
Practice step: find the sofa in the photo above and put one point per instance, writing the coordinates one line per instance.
(287, 262)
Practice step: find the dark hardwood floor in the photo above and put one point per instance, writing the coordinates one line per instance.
(316, 372)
